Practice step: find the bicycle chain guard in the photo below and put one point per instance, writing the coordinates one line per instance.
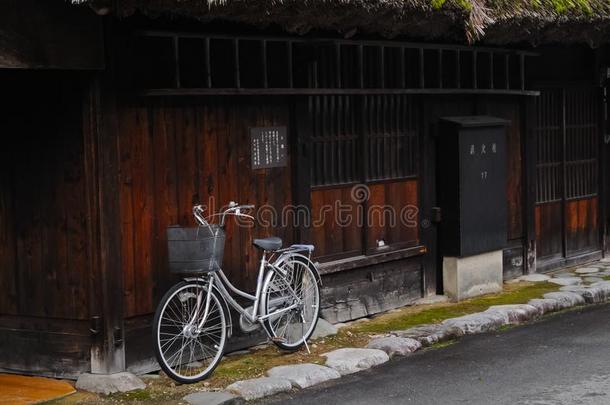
(247, 326)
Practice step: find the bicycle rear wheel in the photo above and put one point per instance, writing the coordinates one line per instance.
(298, 286)
(184, 351)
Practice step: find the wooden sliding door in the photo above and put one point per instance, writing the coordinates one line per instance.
(567, 169)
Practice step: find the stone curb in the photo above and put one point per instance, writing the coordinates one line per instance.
(352, 360)
(394, 345)
(259, 387)
(304, 375)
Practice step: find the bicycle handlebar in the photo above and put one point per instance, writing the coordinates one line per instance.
(234, 209)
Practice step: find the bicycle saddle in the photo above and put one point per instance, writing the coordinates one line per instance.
(270, 243)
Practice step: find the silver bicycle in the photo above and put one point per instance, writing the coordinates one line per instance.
(193, 320)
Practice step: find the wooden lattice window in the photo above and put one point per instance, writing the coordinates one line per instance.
(567, 143)
(362, 139)
(389, 137)
(549, 136)
(170, 63)
(335, 140)
(581, 142)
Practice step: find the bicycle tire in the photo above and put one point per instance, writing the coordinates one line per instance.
(270, 323)
(159, 329)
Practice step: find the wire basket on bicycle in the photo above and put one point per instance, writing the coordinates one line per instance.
(195, 250)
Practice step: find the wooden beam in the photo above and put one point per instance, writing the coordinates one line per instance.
(176, 44)
(507, 70)
(474, 70)
(325, 40)
(290, 73)
(323, 91)
(491, 70)
(102, 163)
(264, 63)
(369, 260)
(440, 68)
(422, 82)
(403, 73)
(522, 69)
(458, 67)
(382, 67)
(236, 61)
(361, 65)
(338, 65)
(208, 64)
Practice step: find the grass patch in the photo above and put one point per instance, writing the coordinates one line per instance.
(606, 278)
(446, 343)
(519, 293)
(139, 395)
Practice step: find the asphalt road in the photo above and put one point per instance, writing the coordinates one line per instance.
(562, 359)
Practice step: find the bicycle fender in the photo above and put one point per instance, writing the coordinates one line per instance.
(304, 258)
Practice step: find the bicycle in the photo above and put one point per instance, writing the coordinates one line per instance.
(192, 321)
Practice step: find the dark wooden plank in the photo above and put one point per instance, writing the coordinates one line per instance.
(165, 194)
(369, 290)
(52, 354)
(143, 210)
(127, 125)
(549, 235)
(8, 260)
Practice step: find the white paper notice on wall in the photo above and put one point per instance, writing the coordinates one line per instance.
(268, 147)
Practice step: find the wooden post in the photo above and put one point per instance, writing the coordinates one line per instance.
(529, 181)
(427, 192)
(301, 166)
(604, 166)
(600, 75)
(102, 173)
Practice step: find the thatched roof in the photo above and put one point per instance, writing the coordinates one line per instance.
(490, 21)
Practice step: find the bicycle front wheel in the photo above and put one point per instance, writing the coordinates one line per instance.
(298, 290)
(187, 351)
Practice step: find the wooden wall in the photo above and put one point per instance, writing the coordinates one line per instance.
(175, 153)
(44, 225)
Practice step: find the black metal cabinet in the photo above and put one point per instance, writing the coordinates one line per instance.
(472, 179)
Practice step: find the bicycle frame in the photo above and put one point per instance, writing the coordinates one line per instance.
(217, 279)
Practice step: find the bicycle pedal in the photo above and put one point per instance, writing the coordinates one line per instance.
(277, 339)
